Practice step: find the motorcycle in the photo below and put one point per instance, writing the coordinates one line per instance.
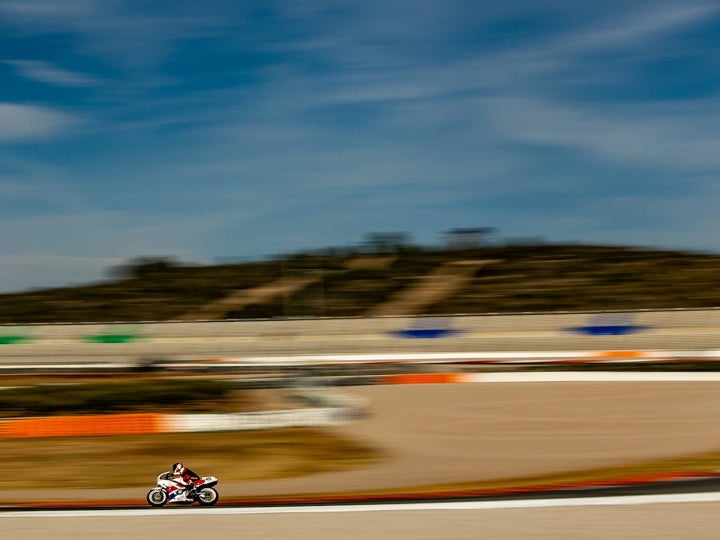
(170, 491)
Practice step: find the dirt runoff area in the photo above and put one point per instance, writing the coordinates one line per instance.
(456, 433)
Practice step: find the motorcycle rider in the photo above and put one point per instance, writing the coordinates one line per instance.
(181, 474)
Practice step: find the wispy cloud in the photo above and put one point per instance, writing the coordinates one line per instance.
(678, 136)
(21, 123)
(125, 32)
(45, 72)
(637, 26)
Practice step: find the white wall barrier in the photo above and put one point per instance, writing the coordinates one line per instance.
(251, 421)
(329, 408)
(690, 330)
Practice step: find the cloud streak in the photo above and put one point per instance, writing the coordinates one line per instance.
(26, 123)
(658, 136)
(46, 73)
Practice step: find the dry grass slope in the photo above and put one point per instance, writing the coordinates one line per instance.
(523, 278)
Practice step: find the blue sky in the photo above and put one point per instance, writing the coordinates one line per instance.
(248, 128)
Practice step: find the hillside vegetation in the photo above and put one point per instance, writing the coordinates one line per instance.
(502, 279)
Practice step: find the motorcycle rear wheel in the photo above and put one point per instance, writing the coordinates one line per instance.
(157, 497)
(207, 496)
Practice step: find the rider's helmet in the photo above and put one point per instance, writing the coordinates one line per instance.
(178, 469)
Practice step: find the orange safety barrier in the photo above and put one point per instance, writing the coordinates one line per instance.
(422, 378)
(87, 426)
(622, 354)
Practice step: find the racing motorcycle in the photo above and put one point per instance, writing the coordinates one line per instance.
(170, 491)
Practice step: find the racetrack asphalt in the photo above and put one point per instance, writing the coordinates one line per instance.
(440, 434)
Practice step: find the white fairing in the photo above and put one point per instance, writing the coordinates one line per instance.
(177, 491)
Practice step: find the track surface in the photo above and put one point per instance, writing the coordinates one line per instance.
(627, 517)
(435, 434)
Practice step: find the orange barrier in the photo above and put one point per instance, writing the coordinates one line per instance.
(622, 354)
(88, 426)
(422, 378)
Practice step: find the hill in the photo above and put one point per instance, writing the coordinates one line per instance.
(547, 277)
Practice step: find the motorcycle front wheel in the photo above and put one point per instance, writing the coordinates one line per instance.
(157, 497)
(207, 496)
